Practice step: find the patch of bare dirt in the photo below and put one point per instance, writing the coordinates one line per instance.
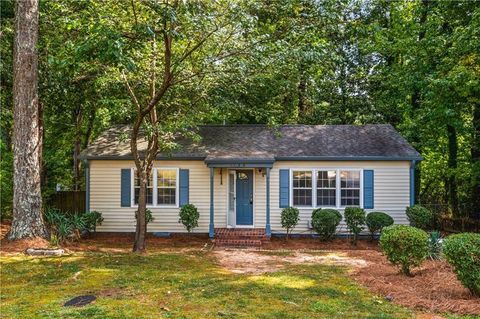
(434, 285)
(256, 262)
(314, 243)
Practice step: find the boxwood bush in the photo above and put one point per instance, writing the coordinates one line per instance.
(420, 217)
(355, 220)
(405, 246)
(463, 253)
(376, 221)
(325, 222)
(289, 218)
(189, 216)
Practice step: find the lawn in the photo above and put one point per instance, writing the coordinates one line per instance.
(180, 285)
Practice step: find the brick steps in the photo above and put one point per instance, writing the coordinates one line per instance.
(238, 237)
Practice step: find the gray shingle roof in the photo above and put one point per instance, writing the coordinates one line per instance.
(259, 142)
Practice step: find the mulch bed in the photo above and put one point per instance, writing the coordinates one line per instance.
(434, 286)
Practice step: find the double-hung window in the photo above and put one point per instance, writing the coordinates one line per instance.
(162, 187)
(302, 188)
(350, 188)
(166, 187)
(136, 186)
(327, 188)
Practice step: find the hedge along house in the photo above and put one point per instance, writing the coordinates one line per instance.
(242, 176)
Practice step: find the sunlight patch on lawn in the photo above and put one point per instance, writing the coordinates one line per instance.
(283, 281)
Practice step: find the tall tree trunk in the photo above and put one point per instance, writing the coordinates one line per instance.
(452, 168)
(27, 200)
(77, 117)
(416, 98)
(475, 152)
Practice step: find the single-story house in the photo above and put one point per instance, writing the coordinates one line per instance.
(242, 176)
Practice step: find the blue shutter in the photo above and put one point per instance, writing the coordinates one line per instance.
(368, 189)
(184, 192)
(126, 188)
(284, 188)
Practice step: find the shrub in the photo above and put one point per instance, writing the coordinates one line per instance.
(463, 253)
(325, 222)
(289, 218)
(405, 246)
(420, 217)
(64, 225)
(355, 220)
(376, 221)
(189, 216)
(92, 219)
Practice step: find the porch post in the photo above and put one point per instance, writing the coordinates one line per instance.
(268, 230)
(211, 230)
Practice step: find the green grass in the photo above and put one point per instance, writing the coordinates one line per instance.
(173, 285)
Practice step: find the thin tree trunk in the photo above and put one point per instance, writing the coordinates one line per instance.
(27, 200)
(141, 228)
(452, 168)
(475, 152)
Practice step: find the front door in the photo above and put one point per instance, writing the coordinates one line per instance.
(244, 187)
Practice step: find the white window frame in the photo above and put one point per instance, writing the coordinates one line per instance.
(314, 185)
(336, 187)
(155, 188)
(339, 187)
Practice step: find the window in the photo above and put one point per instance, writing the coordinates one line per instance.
(137, 188)
(162, 187)
(302, 188)
(350, 188)
(326, 188)
(166, 186)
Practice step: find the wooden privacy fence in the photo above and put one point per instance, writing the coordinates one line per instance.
(68, 201)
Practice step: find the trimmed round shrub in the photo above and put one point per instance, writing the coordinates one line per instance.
(420, 217)
(189, 216)
(325, 222)
(355, 220)
(289, 218)
(405, 246)
(376, 221)
(463, 253)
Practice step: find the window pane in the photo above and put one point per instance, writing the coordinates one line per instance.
(350, 188)
(166, 196)
(166, 178)
(302, 179)
(326, 179)
(302, 197)
(326, 197)
(350, 197)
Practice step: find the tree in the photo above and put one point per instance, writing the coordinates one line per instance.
(166, 53)
(27, 140)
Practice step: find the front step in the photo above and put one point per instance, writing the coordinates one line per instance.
(240, 237)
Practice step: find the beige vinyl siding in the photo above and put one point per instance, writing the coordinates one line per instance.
(391, 194)
(391, 189)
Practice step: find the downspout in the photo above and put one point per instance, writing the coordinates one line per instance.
(412, 182)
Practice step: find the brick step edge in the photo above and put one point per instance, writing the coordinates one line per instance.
(243, 237)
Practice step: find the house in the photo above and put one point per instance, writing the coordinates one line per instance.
(242, 176)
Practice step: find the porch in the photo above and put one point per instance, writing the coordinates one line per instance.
(247, 182)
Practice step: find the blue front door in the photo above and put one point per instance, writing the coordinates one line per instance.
(244, 198)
